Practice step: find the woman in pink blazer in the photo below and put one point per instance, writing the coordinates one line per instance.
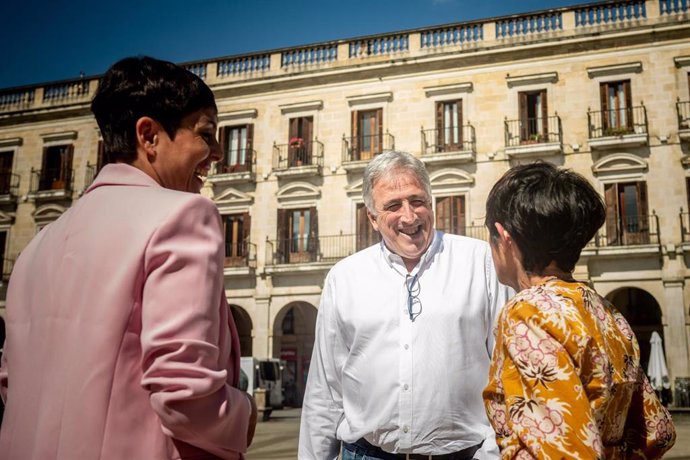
(119, 343)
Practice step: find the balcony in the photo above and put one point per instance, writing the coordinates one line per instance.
(303, 159)
(240, 258)
(683, 112)
(241, 170)
(308, 254)
(618, 128)
(533, 136)
(454, 144)
(481, 38)
(358, 150)
(634, 235)
(9, 186)
(51, 184)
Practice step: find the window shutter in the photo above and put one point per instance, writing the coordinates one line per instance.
(524, 116)
(461, 215)
(544, 113)
(354, 141)
(283, 233)
(643, 210)
(628, 104)
(308, 136)
(246, 232)
(440, 128)
(293, 130)
(611, 199)
(687, 191)
(379, 129)
(313, 233)
(603, 95)
(66, 164)
(249, 154)
(460, 133)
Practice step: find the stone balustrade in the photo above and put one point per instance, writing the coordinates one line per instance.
(559, 23)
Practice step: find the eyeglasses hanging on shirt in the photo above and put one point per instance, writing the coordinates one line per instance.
(414, 305)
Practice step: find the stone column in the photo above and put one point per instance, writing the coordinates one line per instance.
(261, 344)
(675, 329)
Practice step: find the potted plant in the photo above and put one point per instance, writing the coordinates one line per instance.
(296, 142)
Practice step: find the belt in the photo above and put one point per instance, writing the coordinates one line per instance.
(362, 446)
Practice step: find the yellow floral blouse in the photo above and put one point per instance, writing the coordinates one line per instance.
(566, 381)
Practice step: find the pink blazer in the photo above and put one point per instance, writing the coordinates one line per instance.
(120, 344)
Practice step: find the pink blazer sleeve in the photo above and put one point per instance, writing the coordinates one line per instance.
(185, 335)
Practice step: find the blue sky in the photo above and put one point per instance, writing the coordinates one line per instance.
(49, 40)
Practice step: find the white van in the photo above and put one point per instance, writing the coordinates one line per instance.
(266, 374)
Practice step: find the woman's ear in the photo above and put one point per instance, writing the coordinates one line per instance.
(503, 233)
(146, 130)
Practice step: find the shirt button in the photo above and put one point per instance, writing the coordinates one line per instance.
(406, 429)
(405, 387)
(406, 346)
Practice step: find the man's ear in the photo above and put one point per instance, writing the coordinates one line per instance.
(372, 220)
(147, 130)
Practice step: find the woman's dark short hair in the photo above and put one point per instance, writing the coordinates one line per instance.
(136, 87)
(550, 213)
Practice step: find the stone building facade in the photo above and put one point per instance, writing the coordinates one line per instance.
(603, 89)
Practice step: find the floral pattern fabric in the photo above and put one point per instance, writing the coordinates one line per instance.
(566, 382)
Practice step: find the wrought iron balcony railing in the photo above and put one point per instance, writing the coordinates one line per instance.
(453, 139)
(617, 122)
(240, 254)
(366, 147)
(636, 230)
(308, 249)
(240, 161)
(538, 130)
(683, 112)
(306, 153)
(51, 179)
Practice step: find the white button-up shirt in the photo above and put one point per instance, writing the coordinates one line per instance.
(405, 386)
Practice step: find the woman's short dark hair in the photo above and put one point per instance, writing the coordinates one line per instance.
(550, 213)
(136, 87)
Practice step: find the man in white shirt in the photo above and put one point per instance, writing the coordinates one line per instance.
(404, 335)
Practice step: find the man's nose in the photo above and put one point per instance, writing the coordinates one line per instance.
(407, 213)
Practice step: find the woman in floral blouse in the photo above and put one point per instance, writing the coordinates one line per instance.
(565, 379)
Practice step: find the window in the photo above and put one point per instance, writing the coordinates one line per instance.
(366, 235)
(237, 228)
(534, 118)
(450, 214)
(300, 141)
(616, 107)
(6, 159)
(627, 219)
(367, 134)
(298, 234)
(57, 167)
(449, 126)
(236, 142)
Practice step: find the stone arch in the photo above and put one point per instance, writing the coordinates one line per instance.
(293, 341)
(243, 322)
(619, 165)
(644, 314)
(48, 213)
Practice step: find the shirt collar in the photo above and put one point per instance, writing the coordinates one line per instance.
(396, 263)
